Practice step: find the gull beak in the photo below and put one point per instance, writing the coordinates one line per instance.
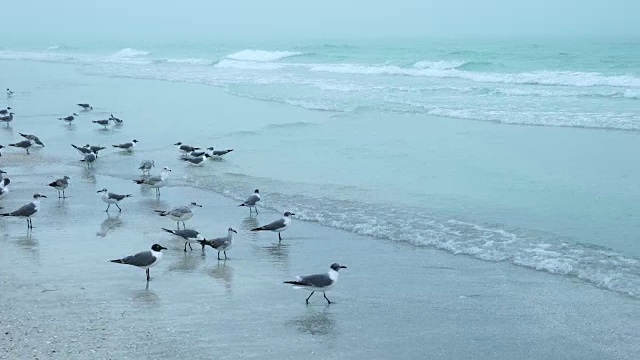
(163, 248)
(234, 231)
(99, 191)
(342, 267)
(177, 143)
(292, 214)
(44, 196)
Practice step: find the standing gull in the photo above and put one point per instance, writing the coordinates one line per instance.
(111, 198)
(278, 225)
(60, 185)
(221, 244)
(189, 235)
(103, 122)
(156, 181)
(89, 159)
(33, 138)
(94, 148)
(69, 118)
(24, 144)
(146, 166)
(180, 213)
(7, 118)
(85, 107)
(27, 211)
(318, 282)
(252, 201)
(127, 146)
(196, 161)
(144, 259)
(219, 153)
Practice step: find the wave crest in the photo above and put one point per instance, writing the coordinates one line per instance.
(261, 55)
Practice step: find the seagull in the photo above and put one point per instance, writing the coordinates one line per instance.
(252, 201)
(156, 181)
(318, 282)
(103, 122)
(27, 211)
(188, 235)
(94, 148)
(186, 148)
(219, 153)
(33, 138)
(278, 225)
(7, 118)
(4, 188)
(146, 166)
(196, 161)
(89, 159)
(111, 198)
(24, 144)
(180, 213)
(69, 118)
(221, 244)
(85, 107)
(9, 93)
(60, 185)
(5, 111)
(116, 120)
(127, 146)
(144, 259)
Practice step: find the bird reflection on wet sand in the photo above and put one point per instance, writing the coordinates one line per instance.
(109, 224)
(223, 273)
(314, 322)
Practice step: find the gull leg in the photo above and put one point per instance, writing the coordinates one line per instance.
(63, 195)
(108, 206)
(178, 222)
(185, 246)
(309, 297)
(325, 296)
(148, 277)
(256, 210)
(190, 248)
(219, 255)
(119, 209)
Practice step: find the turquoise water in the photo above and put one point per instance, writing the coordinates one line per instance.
(500, 150)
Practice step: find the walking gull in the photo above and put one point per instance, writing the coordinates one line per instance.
(221, 244)
(180, 213)
(7, 118)
(27, 211)
(318, 282)
(116, 120)
(186, 148)
(278, 225)
(156, 181)
(69, 118)
(60, 185)
(89, 159)
(252, 201)
(196, 161)
(144, 259)
(189, 235)
(111, 198)
(85, 107)
(103, 122)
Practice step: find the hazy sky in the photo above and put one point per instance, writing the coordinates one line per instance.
(69, 20)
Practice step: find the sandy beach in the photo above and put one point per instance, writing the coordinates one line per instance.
(60, 297)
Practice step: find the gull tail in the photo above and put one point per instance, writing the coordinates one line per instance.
(54, 184)
(115, 146)
(258, 228)
(295, 283)
(243, 204)
(204, 242)
(6, 214)
(161, 212)
(118, 261)
(139, 182)
(169, 231)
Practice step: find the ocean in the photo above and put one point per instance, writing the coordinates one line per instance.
(504, 151)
